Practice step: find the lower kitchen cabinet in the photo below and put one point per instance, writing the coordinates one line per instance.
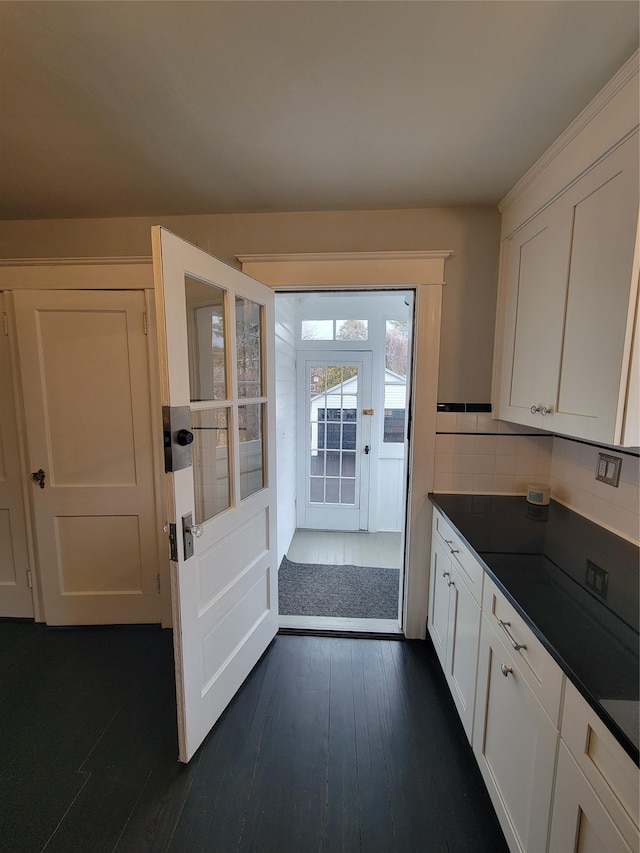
(580, 822)
(515, 744)
(454, 625)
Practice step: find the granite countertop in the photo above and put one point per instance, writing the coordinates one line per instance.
(575, 583)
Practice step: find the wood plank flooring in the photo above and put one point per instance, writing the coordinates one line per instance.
(330, 745)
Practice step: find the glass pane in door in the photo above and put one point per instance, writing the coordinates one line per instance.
(251, 449)
(333, 421)
(206, 335)
(211, 480)
(249, 347)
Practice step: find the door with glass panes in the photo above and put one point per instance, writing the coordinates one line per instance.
(334, 440)
(216, 346)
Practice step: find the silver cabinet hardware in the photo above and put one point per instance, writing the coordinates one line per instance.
(535, 410)
(446, 574)
(505, 670)
(505, 626)
(450, 582)
(449, 542)
(544, 411)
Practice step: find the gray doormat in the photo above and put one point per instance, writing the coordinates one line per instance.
(356, 592)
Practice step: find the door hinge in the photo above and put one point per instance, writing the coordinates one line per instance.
(5, 323)
(144, 322)
(29, 579)
(158, 582)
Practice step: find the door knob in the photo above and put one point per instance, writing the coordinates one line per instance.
(38, 477)
(184, 437)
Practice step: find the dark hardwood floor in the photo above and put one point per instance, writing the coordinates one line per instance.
(330, 745)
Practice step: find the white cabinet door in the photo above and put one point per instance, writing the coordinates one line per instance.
(462, 649)
(515, 746)
(438, 622)
(580, 821)
(569, 302)
(538, 262)
(603, 210)
(454, 626)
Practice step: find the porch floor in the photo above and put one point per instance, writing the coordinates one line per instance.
(337, 548)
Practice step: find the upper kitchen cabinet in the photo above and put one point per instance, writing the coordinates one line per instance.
(569, 279)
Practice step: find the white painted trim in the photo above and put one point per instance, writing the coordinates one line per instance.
(347, 274)
(67, 262)
(337, 623)
(77, 276)
(347, 269)
(314, 257)
(626, 74)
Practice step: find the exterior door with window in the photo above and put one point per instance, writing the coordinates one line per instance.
(334, 440)
(216, 337)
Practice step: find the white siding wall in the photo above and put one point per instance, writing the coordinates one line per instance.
(286, 420)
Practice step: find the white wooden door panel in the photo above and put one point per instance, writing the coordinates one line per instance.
(15, 594)
(217, 341)
(438, 622)
(462, 649)
(85, 379)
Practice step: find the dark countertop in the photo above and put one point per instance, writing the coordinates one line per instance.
(575, 583)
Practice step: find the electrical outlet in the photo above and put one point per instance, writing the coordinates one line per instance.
(608, 470)
(597, 579)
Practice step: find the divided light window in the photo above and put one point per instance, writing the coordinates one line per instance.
(335, 330)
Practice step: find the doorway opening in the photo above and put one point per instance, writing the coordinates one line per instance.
(343, 368)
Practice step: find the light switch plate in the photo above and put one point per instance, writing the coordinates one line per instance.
(608, 470)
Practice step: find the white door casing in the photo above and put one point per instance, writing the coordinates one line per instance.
(225, 610)
(334, 440)
(85, 383)
(15, 593)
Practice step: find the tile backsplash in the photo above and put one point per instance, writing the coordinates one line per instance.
(479, 455)
(573, 483)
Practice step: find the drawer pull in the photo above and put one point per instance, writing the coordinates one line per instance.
(505, 670)
(449, 542)
(446, 574)
(505, 626)
(450, 582)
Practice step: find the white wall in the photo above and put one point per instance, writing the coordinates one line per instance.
(286, 420)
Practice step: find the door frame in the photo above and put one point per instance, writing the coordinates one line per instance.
(422, 272)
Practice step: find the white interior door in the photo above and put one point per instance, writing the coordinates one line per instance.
(85, 383)
(334, 390)
(217, 340)
(15, 594)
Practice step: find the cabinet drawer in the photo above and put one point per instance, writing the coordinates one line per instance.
(470, 569)
(608, 768)
(581, 821)
(538, 668)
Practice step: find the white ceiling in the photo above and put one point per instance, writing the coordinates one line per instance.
(151, 108)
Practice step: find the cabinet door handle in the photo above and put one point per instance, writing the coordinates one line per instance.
(450, 582)
(505, 627)
(544, 411)
(535, 409)
(449, 542)
(446, 574)
(505, 670)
